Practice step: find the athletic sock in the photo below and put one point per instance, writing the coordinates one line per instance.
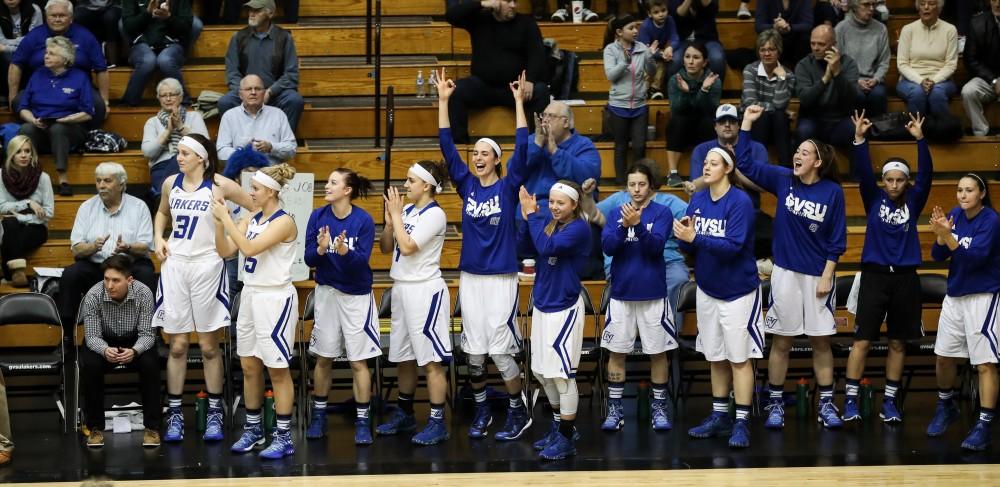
(405, 402)
(174, 401)
(720, 405)
(986, 414)
(514, 401)
(566, 427)
(362, 409)
(946, 395)
(319, 403)
(659, 392)
(776, 392)
(253, 417)
(742, 412)
(826, 393)
(437, 411)
(284, 422)
(615, 390)
(480, 395)
(214, 401)
(852, 388)
(555, 415)
(891, 387)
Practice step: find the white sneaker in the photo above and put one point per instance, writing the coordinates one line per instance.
(743, 13)
(559, 15)
(590, 16)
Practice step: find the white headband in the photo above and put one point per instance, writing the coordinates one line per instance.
(895, 166)
(426, 176)
(195, 146)
(491, 143)
(725, 156)
(566, 190)
(266, 180)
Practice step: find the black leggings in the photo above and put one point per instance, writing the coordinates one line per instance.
(20, 240)
(626, 130)
(686, 130)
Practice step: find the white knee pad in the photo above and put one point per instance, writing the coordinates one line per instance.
(551, 392)
(569, 395)
(507, 366)
(477, 367)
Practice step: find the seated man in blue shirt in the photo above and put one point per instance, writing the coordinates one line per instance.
(268, 51)
(264, 128)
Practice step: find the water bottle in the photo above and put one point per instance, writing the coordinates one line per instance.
(421, 87)
(432, 84)
(802, 398)
(867, 398)
(642, 401)
(270, 420)
(201, 410)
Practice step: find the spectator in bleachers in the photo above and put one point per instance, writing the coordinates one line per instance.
(565, 13)
(793, 20)
(164, 130)
(696, 22)
(158, 38)
(558, 152)
(694, 94)
(927, 55)
(27, 200)
(101, 17)
(6, 444)
(56, 105)
(108, 223)
(30, 56)
(116, 318)
(827, 85)
(17, 17)
(264, 128)
(983, 63)
(267, 51)
(661, 28)
(768, 83)
(504, 43)
(866, 41)
(229, 10)
(830, 12)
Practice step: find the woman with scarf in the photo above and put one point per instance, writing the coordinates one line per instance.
(162, 132)
(26, 205)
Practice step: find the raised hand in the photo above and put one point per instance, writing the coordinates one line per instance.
(861, 125)
(916, 125)
(340, 243)
(393, 202)
(753, 113)
(445, 86)
(529, 204)
(684, 229)
(631, 215)
(589, 186)
(709, 81)
(518, 88)
(682, 84)
(323, 239)
(219, 210)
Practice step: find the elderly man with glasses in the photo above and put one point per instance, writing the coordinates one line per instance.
(866, 41)
(262, 127)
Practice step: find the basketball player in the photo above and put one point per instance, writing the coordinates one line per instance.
(339, 239)
(718, 232)
(810, 234)
(269, 305)
(562, 243)
(414, 235)
(488, 285)
(193, 291)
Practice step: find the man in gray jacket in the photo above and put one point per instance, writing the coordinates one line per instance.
(866, 40)
(827, 86)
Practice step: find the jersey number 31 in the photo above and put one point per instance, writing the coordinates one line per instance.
(185, 227)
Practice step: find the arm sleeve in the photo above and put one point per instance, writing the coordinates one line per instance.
(903, 56)
(47, 196)
(675, 40)
(563, 243)
(809, 89)
(978, 255)
(940, 252)
(645, 35)
(862, 164)
(432, 224)
(224, 141)
(837, 243)
(951, 58)
(612, 235)
(93, 332)
(232, 67)
(463, 14)
(749, 95)
(884, 56)
(289, 79)
(85, 103)
(9, 204)
(135, 20)
(457, 168)
(517, 167)
(767, 176)
(24, 50)
(737, 231)
(677, 99)
(614, 69)
(147, 337)
(311, 258)
(976, 61)
(608, 205)
(79, 232)
(284, 149)
(580, 165)
(697, 164)
(151, 148)
(652, 241)
(359, 256)
(925, 175)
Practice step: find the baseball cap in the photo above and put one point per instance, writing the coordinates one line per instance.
(725, 111)
(268, 4)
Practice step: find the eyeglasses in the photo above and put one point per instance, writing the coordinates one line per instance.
(549, 116)
(170, 95)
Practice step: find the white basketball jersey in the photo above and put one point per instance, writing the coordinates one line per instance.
(426, 226)
(193, 232)
(272, 267)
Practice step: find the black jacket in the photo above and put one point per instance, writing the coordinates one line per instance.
(7, 23)
(982, 47)
(500, 50)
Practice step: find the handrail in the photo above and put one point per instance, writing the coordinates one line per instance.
(378, 72)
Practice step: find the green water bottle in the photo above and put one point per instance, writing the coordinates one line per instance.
(642, 401)
(867, 398)
(201, 410)
(270, 420)
(802, 398)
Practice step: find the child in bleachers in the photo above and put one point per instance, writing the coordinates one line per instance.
(661, 28)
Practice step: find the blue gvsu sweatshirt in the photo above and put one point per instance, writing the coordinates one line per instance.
(560, 256)
(891, 233)
(809, 223)
(724, 265)
(350, 273)
(975, 264)
(489, 215)
(638, 269)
